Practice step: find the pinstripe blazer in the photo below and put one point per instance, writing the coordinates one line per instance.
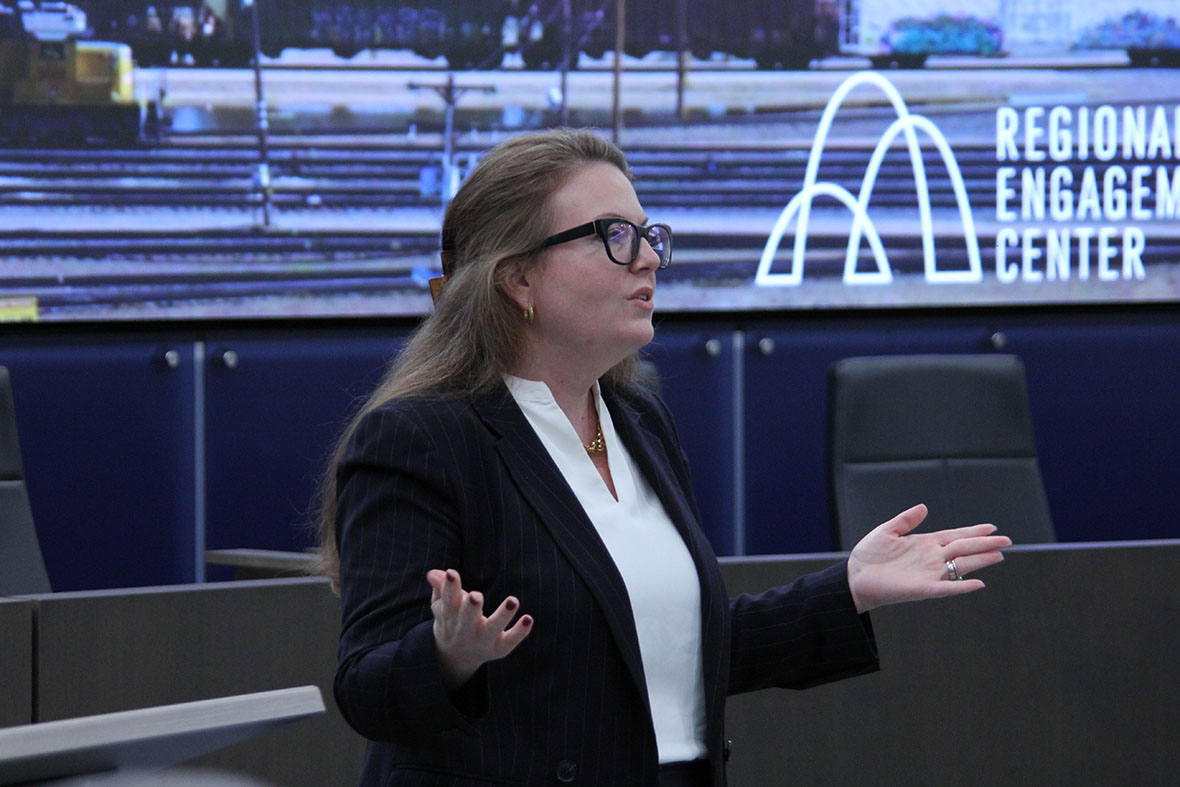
(464, 483)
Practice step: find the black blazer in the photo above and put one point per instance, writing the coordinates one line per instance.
(465, 483)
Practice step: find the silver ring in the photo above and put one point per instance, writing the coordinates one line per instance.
(952, 573)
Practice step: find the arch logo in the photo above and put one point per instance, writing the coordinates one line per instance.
(798, 210)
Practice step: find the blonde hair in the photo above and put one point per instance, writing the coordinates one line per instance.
(493, 228)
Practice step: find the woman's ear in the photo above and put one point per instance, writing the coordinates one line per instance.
(517, 281)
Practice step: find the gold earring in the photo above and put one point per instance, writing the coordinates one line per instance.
(529, 314)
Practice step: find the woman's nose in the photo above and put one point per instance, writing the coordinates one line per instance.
(647, 257)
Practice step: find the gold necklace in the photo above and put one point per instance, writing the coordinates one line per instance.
(595, 446)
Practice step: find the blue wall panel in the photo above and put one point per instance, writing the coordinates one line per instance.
(695, 365)
(271, 420)
(106, 431)
(1106, 411)
(110, 431)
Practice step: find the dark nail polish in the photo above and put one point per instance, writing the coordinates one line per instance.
(510, 604)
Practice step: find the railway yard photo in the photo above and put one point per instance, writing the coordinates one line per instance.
(332, 206)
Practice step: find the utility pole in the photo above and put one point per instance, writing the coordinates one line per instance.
(263, 123)
(682, 60)
(620, 41)
(567, 46)
(449, 92)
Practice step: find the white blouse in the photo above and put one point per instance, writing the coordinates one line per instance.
(656, 566)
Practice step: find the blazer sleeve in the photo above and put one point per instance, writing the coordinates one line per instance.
(800, 635)
(397, 518)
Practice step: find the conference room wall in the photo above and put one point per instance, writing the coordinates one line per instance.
(1101, 388)
(106, 428)
(270, 422)
(142, 449)
(135, 467)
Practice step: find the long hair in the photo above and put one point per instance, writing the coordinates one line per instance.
(493, 228)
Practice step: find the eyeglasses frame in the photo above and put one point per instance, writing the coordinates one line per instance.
(599, 227)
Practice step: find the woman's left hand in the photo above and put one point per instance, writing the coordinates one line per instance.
(887, 566)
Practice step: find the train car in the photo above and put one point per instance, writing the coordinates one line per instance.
(774, 33)
(1149, 30)
(903, 33)
(467, 33)
(479, 33)
(176, 32)
(58, 89)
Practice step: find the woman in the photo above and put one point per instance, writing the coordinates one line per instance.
(528, 597)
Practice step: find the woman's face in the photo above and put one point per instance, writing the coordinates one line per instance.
(587, 307)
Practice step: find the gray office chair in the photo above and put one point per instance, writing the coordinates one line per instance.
(950, 431)
(22, 569)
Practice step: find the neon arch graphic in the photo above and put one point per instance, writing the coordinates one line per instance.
(906, 123)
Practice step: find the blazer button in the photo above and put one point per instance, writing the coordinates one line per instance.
(567, 771)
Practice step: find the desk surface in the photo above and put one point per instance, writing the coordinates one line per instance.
(148, 737)
(1062, 671)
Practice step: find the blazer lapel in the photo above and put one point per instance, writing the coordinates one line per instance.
(546, 490)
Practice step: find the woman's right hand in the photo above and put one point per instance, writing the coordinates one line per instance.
(464, 637)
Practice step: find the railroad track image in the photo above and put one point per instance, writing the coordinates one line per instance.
(346, 223)
(341, 177)
(175, 230)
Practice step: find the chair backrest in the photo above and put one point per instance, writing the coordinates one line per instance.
(951, 431)
(22, 569)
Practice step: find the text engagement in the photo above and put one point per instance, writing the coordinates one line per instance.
(1105, 170)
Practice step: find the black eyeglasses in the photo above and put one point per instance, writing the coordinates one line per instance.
(621, 239)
